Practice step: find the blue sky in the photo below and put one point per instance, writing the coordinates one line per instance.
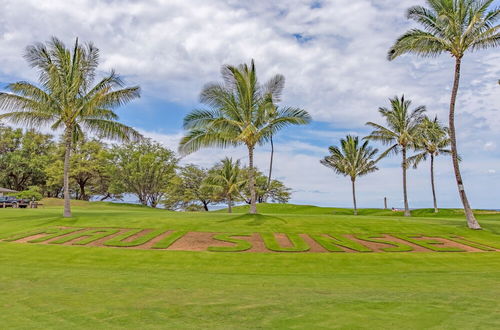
(332, 54)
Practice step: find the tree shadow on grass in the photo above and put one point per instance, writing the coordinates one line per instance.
(254, 219)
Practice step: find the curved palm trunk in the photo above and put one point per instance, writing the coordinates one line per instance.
(354, 196)
(405, 193)
(251, 181)
(270, 164)
(67, 154)
(471, 220)
(432, 184)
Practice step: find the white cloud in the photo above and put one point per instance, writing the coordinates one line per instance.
(333, 58)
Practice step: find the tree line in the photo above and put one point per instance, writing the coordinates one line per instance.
(32, 163)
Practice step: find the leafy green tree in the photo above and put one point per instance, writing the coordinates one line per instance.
(144, 169)
(432, 142)
(238, 113)
(23, 157)
(401, 133)
(32, 193)
(352, 159)
(189, 191)
(274, 191)
(67, 98)
(454, 27)
(227, 181)
(90, 170)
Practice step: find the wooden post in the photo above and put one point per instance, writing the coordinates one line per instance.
(385, 203)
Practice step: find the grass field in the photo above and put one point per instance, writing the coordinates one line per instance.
(61, 287)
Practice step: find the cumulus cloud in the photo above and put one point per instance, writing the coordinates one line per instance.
(331, 52)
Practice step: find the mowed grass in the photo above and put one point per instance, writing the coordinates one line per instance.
(61, 287)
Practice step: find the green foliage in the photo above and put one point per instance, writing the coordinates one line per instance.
(33, 193)
(454, 27)
(402, 128)
(396, 246)
(333, 243)
(352, 159)
(226, 181)
(275, 191)
(121, 239)
(433, 140)
(144, 169)
(240, 244)
(298, 243)
(23, 158)
(188, 191)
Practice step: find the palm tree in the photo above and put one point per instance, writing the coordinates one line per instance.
(67, 98)
(454, 27)
(433, 141)
(238, 114)
(401, 133)
(351, 159)
(226, 180)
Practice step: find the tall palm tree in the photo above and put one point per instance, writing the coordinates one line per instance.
(67, 98)
(238, 114)
(454, 27)
(401, 133)
(226, 179)
(352, 159)
(433, 141)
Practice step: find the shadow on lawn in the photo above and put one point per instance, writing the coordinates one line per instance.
(254, 219)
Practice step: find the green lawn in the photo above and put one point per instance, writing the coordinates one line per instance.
(70, 287)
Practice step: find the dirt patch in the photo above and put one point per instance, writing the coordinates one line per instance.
(201, 241)
(196, 241)
(313, 245)
(448, 243)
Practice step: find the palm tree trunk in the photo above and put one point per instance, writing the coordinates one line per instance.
(251, 181)
(432, 184)
(405, 193)
(354, 196)
(68, 137)
(229, 205)
(471, 220)
(270, 164)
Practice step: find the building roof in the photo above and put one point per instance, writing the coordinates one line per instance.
(5, 190)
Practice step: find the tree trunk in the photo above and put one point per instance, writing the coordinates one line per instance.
(205, 205)
(68, 139)
(251, 181)
(405, 193)
(432, 184)
(229, 205)
(471, 220)
(354, 196)
(270, 166)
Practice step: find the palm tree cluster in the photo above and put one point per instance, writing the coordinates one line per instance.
(239, 111)
(405, 130)
(454, 27)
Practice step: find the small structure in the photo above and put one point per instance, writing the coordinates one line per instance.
(4, 191)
